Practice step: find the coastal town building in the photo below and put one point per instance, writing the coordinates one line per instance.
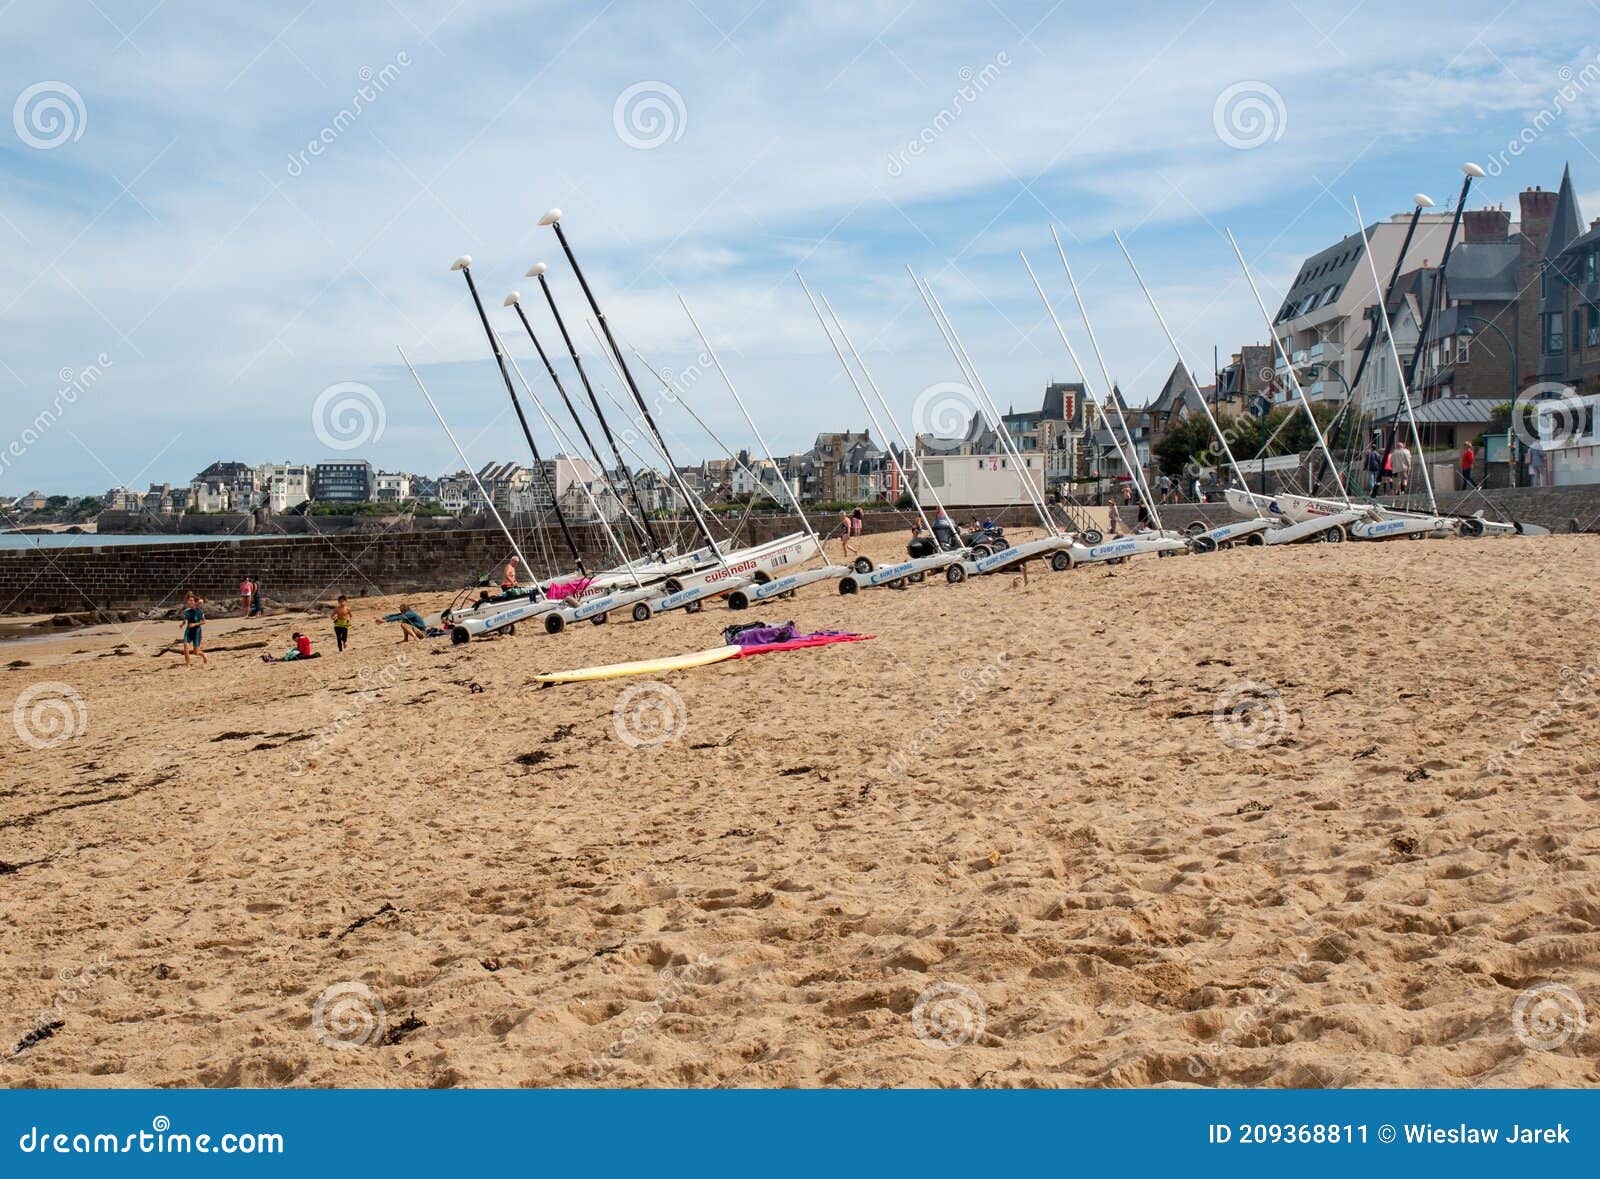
(391, 487)
(284, 486)
(346, 481)
(1323, 314)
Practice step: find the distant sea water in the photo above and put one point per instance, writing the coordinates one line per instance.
(71, 540)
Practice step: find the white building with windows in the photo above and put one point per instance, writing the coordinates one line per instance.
(980, 480)
(391, 488)
(1321, 321)
(284, 485)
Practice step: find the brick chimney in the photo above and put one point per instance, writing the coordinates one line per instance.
(1486, 225)
(1538, 208)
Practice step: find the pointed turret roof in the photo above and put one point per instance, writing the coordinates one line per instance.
(1565, 223)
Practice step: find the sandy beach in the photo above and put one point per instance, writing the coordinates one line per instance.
(1319, 816)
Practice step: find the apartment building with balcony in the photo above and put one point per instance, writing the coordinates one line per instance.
(1323, 316)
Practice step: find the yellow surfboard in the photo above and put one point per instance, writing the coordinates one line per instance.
(612, 671)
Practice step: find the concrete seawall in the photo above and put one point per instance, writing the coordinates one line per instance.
(91, 577)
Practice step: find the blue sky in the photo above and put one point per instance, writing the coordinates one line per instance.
(181, 230)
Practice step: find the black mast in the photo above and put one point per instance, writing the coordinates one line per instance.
(644, 534)
(553, 219)
(594, 402)
(464, 264)
(1437, 286)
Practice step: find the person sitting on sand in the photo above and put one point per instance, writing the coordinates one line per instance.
(194, 617)
(302, 650)
(412, 624)
(341, 621)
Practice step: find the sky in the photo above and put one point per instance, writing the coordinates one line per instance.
(218, 222)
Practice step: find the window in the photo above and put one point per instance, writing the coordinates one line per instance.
(1553, 344)
(1329, 295)
(1591, 265)
(1577, 329)
(1461, 349)
(1593, 338)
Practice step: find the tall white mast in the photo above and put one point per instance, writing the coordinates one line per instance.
(1388, 331)
(467, 465)
(1141, 479)
(765, 449)
(986, 405)
(862, 397)
(906, 443)
(1178, 352)
(1288, 365)
(1098, 405)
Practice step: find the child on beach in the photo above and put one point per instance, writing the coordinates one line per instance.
(247, 593)
(194, 617)
(302, 650)
(341, 622)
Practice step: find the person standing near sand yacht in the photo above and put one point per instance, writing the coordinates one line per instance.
(1402, 467)
(341, 622)
(194, 618)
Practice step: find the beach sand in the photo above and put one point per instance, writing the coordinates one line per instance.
(1221, 821)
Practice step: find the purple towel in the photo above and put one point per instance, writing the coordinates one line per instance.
(758, 635)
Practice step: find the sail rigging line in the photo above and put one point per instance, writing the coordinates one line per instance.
(963, 362)
(553, 219)
(466, 463)
(1178, 352)
(641, 532)
(1405, 390)
(765, 449)
(564, 441)
(906, 444)
(464, 264)
(871, 413)
(1322, 443)
(537, 271)
(1096, 402)
(1141, 479)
